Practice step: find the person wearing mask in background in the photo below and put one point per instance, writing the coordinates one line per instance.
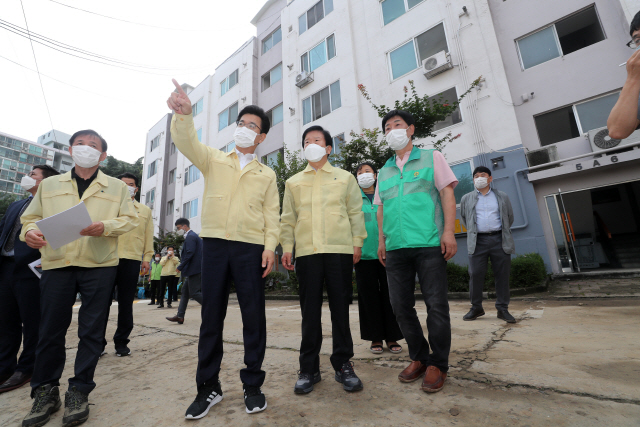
(19, 290)
(416, 221)
(87, 265)
(625, 115)
(154, 278)
(487, 215)
(132, 247)
(190, 268)
(169, 263)
(240, 235)
(377, 321)
(322, 215)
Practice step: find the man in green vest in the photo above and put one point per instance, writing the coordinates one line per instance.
(416, 216)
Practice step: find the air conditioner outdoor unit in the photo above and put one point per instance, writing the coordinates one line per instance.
(600, 139)
(13, 168)
(540, 157)
(436, 64)
(303, 79)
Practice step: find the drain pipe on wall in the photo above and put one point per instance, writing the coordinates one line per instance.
(524, 211)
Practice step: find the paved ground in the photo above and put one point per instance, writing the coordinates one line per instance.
(565, 363)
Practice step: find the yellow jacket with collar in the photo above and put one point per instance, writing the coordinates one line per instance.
(239, 204)
(169, 265)
(322, 212)
(138, 243)
(107, 200)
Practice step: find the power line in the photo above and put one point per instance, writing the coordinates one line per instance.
(38, 71)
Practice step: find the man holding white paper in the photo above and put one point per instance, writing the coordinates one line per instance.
(87, 265)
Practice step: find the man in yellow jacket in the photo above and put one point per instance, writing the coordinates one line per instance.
(240, 234)
(322, 215)
(169, 263)
(87, 265)
(133, 246)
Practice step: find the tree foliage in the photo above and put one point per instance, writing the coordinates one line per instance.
(165, 239)
(5, 200)
(114, 167)
(285, 167)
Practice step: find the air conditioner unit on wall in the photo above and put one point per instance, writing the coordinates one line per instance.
(437, 64)
(544, 155)
(600, 139)
(303, 79)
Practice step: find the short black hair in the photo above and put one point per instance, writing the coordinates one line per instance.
(183, 221)
(481, 169)
(89, 132)
(635, 24)
(404, 115)
(130, 176)
(265, 123)
(47, 170)
(371, 165)
(171, 247)
(327, 136)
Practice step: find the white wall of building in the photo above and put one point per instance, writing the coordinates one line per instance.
(155, 181)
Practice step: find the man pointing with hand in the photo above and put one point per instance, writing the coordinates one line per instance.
(240, 233)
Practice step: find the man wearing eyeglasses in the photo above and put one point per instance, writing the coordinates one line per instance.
(625, 115)
(240, 227)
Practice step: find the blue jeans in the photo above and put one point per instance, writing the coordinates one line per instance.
(429, 264)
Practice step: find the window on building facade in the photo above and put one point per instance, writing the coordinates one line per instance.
(568, 35)
(172, 176)
(314, 15)
(228, 116)
(271, 159)
(191, 174)
(155, 142)
(150, 197)
(275, 115)
(321, 103)
(463, 172)
(273, 76)
(393, 9)
(449, 96)
(197, 107)
(173, 148)
(199, 133)
(229, 147)
(319, 55)
(338, 140)
(170, 207)
(190, 209)
(271, 40)
(410, 55)
(152, 168)
(229, 82)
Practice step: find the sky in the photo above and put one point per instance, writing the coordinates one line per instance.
(120, 104)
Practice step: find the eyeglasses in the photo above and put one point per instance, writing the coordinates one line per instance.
(634, 43)
(249, 125)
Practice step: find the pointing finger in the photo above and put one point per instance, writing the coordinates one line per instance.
(178, 87)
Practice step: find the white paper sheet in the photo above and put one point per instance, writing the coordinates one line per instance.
(65, 227)
(33, 268)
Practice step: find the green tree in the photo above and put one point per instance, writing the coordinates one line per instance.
(114, 167)
(285, 167)
(167, 239)
(5, 200)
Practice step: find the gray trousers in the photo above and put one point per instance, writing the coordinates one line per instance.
(191, 288)
(489, 247)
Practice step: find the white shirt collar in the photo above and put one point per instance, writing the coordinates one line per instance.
(245, 159)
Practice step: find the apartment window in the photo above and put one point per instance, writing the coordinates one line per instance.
(392, 9)
(173, 148)
(155, 142)
(271, 159)
(271, 40)
(191, 174)
(574, 120)
(197, 107)
(321, 103)
(229, 82)
(463, 172)
(572, 33)
(449, 96)
(172, 176)
(228, 116)
(152, 169)
(320, 54)
(338, 140)
(170, 207)
(190, 209)
(314, 15)
(275, 115)
(150, 197)
(410, 55)
(273, 76)
(199, 133)
(229, 147)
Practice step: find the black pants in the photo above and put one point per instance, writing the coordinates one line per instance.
(429, 263)
(166, 283)
(19, 317)
(377, 321)
(126, 284)
(58, 289)
(154, 286)
(225, 261)
(334, 271)
(489, 247)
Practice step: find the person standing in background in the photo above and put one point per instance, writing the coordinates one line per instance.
(154, 278)
(169, 263)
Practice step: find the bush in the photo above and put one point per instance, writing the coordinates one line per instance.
(293, 284)
(275, 281)
(527, 270)
(457, 277)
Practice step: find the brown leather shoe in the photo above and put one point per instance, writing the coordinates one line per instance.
(17, 380)
(175, 318)
(433, 380)
(412, 372)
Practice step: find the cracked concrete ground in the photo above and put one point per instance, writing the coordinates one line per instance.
(565, 363)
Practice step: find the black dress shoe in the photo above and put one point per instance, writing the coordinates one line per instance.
(506, 316)
(18, 379)
(5, 377)
(474, 313)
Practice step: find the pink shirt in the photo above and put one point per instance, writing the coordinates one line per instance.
(442, 173)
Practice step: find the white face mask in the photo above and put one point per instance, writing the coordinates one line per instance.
(157, 259)
(180, 232)
(244, 137)
(314, 152)
(132, 191)
(480, 182)
(169, 252)
(397, 139)
(85, 156)
(366, 180)
(27, 183)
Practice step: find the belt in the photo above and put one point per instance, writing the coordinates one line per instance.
(491, 233)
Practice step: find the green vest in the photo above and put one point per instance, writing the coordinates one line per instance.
(412, 209)
(370, 246)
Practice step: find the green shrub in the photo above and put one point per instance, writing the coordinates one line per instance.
(457, 277)
(275, 281)
(293, 284)
(527, 270)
